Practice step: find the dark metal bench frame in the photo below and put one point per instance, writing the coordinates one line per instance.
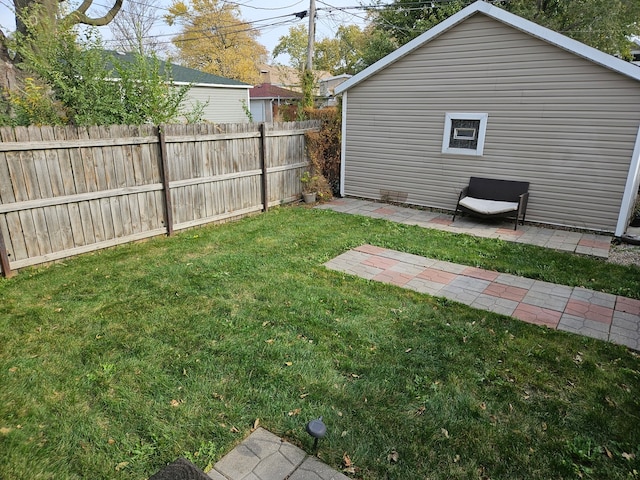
(499, 190)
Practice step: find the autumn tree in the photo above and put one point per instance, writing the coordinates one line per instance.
(294, 44)
(338, 55)
(215, 40)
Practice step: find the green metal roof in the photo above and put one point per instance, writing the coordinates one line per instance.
(180, 73)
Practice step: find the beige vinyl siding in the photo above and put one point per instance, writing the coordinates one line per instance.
(557, 120)
(224, 105)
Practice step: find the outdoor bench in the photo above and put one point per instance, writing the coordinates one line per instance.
(489, 197)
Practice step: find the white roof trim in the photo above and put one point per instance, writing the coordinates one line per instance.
(217, 85)
(554, 38)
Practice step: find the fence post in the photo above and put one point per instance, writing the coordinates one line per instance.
(263, 166)
(4, 259)
(166, 190)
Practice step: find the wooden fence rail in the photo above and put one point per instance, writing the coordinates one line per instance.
(68, 190)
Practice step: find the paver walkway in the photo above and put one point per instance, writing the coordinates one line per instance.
(576, 242)
(265, 456)
(572, 309)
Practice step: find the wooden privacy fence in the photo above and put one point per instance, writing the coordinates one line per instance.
(68, 190)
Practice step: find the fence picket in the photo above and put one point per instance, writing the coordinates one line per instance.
(81, 189)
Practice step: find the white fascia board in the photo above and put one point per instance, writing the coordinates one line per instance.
(409, 47)
(217, 85)
(566, 43)
(519, 23)
(630, 190)
(343, 146)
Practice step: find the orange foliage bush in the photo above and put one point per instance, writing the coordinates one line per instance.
(323, 146)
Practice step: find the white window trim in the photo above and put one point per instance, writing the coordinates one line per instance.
(479, 150)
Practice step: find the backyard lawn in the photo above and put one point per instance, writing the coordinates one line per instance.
(116, 363)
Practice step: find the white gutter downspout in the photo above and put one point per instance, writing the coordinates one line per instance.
(630, 190)
(343, 147)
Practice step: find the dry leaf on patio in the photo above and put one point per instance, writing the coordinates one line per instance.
(393, 456)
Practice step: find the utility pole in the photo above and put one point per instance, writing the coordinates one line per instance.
(312, 34)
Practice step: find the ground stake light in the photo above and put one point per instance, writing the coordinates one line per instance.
(317, 430)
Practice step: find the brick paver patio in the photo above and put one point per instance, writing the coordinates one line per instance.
(576, 242)
(572, 309)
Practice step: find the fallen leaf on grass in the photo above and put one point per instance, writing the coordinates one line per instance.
(174, 403)
(256, 424)
(295, 412)
(420, 410)
(628, 456)
(347, 464)
(608, 452)
(288, 364)
(445, 432)
(13, 369)
(393, 456)
(304, 395)
(270, 341)
(5, 430)
(234, 430)
(121, 466)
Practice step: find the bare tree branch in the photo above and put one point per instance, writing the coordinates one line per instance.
(80, 14)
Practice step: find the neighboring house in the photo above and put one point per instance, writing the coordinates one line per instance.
(266, 101)
(487, 93)
(288, 77)
(328, 86)
(635, 51)
(225, 100)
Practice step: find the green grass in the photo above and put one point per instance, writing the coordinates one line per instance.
(116, 363)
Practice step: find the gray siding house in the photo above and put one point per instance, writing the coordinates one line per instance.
(225, 100)
(487, 93)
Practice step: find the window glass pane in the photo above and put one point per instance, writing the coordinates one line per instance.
(460, 137)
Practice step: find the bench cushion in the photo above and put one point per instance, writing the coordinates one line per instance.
(488, 207)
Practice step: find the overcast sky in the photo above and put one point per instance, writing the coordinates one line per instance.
(272, 18)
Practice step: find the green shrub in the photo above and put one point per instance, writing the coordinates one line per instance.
(77, 86)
